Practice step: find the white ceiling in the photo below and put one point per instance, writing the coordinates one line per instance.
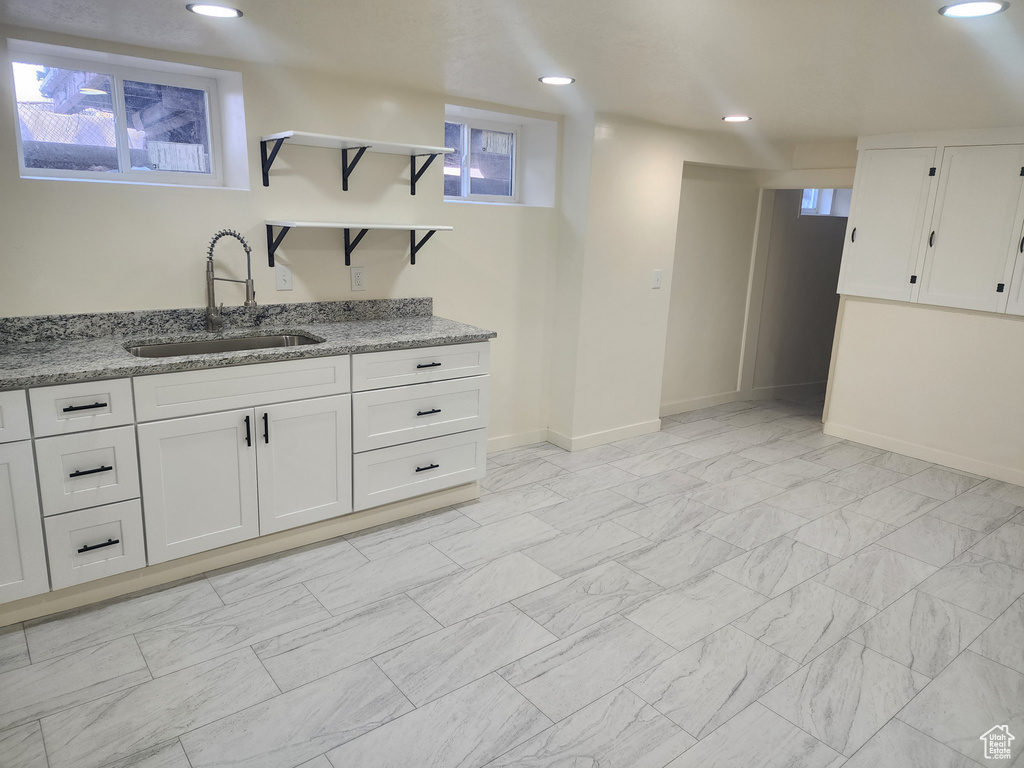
(805, 70)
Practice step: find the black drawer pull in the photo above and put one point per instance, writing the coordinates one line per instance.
(107, 543)
(1001, 287)
(266, 429)
(1022, 245)
(931, 239)
(73, 408)
(428, 413)
(428, 365)
(84, 472)
(853, 235)
(248, 432)
(429, 466)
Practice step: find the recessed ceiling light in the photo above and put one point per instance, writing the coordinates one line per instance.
(217, 11)
(557, 80)
(971, 10)
(737, 118)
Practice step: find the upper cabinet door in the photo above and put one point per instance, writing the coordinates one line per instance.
(884, 234)
(1015, 301)
(973, 239)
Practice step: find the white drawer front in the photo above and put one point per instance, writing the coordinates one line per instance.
(87, 469)
(403, 471)
(384, 417)
(168, 395)
(13, 417)
(374, 370)
(94, 543)
(79, 407)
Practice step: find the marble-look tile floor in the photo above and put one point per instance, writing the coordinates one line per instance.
(736, 590)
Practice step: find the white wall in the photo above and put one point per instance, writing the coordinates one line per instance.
(88, 247)
(944, 385)
(799, 304)
(717, 214)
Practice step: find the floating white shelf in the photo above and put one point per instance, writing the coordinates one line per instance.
(345, 144)
(350, 242)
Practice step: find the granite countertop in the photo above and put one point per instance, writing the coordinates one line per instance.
(59, 349)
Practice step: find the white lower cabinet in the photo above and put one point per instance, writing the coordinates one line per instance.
(93, 543)
(198, 483)
(403, 471)
(303, 461)
(22, 560)
(221, 478)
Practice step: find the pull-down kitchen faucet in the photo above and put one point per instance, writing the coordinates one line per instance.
(214, 315)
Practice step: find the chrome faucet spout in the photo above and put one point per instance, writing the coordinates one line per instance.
(214, 315)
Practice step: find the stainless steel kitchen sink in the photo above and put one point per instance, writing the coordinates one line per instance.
(230, 344)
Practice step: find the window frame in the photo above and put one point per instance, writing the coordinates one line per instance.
(118, 72)
(468, 124)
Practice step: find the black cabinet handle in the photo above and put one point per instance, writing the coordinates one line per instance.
(1022, 245)
(83, 472)
(428, 365)
(428, 413)
(1001, 287)
(429, 466)
(248, 432)
(266, 428)
(913, 278)
(853, 235)
(931, 239)
(73, 408)
(107, 543)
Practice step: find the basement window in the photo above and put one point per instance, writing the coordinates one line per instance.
(483, 165)
(83, 115)
(825, 202)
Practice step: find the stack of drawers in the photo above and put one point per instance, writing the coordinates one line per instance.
(419, 419)
(88, 479)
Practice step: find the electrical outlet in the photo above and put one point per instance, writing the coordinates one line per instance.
(358, 283)
(656, 280)
(284, 277)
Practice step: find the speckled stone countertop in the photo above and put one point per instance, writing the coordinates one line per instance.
(58, 349)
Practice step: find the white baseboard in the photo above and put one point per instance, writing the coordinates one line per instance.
(926, 453)
(761, 393)
(504, 442)
(601, 438)
(786, 391)
(193, 565)
(682, 406)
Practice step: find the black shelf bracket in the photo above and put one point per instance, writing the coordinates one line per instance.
(414, 247)
(351, 243)
(274, 242)
(347, 167)
(417, 174)
(267, 160)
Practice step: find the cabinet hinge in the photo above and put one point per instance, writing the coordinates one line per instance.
(933, 169)
(913, 278)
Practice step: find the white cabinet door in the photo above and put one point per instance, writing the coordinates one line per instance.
(974, 229)
(22, 560)
(198, 483)
(885, 230)
(1015, 301)
(304, 462)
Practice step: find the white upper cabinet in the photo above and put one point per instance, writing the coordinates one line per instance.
(974, 235)
(884, 233)
(1015, 301)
